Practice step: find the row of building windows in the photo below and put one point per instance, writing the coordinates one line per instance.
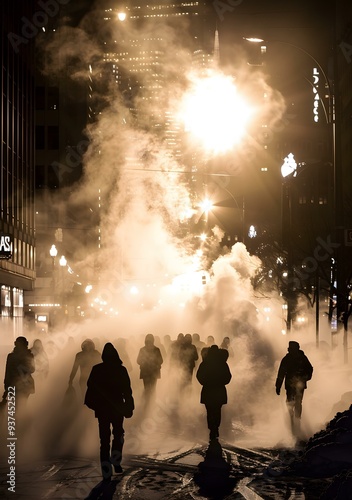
(11, 302)
(17, 198)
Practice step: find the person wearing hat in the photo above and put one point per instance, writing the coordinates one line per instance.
(109, 394)
(18, 372)
(296, 369)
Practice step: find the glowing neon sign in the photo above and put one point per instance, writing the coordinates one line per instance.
(316, 95)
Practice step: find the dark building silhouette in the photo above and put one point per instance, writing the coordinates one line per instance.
(17, 125)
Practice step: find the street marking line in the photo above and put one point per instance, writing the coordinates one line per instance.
(246, 492)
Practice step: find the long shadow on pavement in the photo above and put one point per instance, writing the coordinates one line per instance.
(103, 491)
(213, 476)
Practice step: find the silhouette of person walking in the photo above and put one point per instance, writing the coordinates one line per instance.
(296, 369)
(188, 358)
(149, 360)
(84, 361)
(41, 360)
(214, 374)
(109, 394)
(18, 372)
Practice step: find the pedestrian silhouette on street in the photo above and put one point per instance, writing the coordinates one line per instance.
(41, 360)
(198, 342)
(296, 369)
(84, 361)
(214, 374)
(109, 394)
(188, 358)
(149, 360)
(175, 350)
(210, 341)
(18, 372)
(226, 344)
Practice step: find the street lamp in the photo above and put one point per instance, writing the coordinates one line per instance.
(331, 116)
(288, 170)
(53, 254)
(62, 261)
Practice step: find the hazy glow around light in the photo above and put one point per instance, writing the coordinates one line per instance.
(121, 16)
(53, 251)
(214, 113)
(289, 166)
(206, 205)
(254, 39)
(62, 261)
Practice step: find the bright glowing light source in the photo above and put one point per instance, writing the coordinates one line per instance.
(214, 113)
(190, 283)
(203, 236)
(252, 233)
(88, 288)
(53, 251)
(134, 290)
(254, 39)
(121, 16)
(62, 261)
(289, 166)
(206, 205)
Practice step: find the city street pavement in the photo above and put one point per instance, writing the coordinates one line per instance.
(179, 470)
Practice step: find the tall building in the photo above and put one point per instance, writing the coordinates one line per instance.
(17, 202)
(142, 57)
(60, 144)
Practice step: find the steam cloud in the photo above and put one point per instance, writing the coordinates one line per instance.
(142, 195)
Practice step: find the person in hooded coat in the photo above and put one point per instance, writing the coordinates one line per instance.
(296, 369)
(149, 360)
(214, 374)
(18, 372)
(109, 394)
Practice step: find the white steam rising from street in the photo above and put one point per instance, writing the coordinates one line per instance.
(140, 192)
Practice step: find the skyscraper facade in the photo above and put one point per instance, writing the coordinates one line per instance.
(17, 204)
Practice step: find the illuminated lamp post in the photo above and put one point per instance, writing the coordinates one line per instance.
(63, 263)
(53, 254)
(331, 117)
(288, 170)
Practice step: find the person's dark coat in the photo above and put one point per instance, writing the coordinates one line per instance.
(149, 360)
(19, 368)
(188, 355)
(295, 368)
(109, 390)
(214, 374)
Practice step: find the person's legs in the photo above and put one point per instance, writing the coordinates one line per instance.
(213, 419)
(117, 442)
(104, 435)
(298, 402)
